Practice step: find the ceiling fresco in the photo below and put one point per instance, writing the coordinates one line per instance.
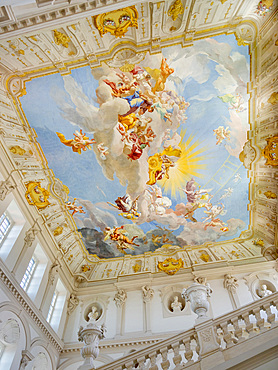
(150, 151)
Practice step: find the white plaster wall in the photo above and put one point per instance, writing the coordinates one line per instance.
(219, 300)
(111, 318)
(134, 312)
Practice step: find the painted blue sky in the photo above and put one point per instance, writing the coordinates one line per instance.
(209, 69)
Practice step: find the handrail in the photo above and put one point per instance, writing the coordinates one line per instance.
(183, 346)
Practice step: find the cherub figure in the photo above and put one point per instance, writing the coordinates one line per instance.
(193, 195)
(128, 207)
(71, 206)
(237, 177)
(117, 234)
(214, 212)
(80, 141)
(221, 134)
(160, 76)
(227, 194)
(103, 150)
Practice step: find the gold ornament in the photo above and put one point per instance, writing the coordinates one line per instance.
(36, 195)
(205, 257)
(17, 150)
(58, 231)
(273, 99)
(61, 39)
(85, 268)
(136, 267)
(270, 195)
(170, 265)
(270, 152)
(258, 242)
(176, 9)
(127, 67)
(117, 21)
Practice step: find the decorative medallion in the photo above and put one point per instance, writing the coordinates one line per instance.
(126, 59)
(170, 265)
(36, 195)
(270, 152)
(117, 21)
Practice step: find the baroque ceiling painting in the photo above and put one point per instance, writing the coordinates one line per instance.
(150, 151)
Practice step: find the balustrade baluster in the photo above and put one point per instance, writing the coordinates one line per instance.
(177, 357)
(152, 357)
(238, 330)
(129, 365)
(228, 337)
(188, 354)
(165, 364)
(261, 321)
(270, 316)
(140, 363)
(251, 327)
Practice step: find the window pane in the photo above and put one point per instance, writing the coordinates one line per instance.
(52, 305)
(28, 274)
(4, 226)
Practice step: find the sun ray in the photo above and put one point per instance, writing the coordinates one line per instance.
(187, 166)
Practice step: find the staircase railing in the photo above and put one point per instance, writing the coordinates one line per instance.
(182, 350)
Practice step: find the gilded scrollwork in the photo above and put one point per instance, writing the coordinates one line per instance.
(270, 152)
(175, 9)
(170, 265)
(117, 22)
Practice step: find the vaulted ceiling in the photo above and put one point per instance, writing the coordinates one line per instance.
(139, 123)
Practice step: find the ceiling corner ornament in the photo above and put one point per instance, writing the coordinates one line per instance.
(170, 265)
(175, 9)
(15, 86)
(61, 39)
(245, 34)
(270, 152)
(247, 155)
(36, 195)
(117, 22)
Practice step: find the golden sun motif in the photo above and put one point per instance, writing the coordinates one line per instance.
(188, 165)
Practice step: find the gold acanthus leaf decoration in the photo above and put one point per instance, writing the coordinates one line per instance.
(61, 39)
(175, 9)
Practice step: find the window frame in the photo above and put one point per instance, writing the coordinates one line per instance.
(29, 273)
(8, 230)
(52, 306)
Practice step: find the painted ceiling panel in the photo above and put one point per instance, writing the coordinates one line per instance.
(150, 150)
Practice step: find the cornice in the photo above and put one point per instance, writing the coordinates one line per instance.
(25, 302)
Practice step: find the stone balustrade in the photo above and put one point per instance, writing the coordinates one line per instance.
(211, 337)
